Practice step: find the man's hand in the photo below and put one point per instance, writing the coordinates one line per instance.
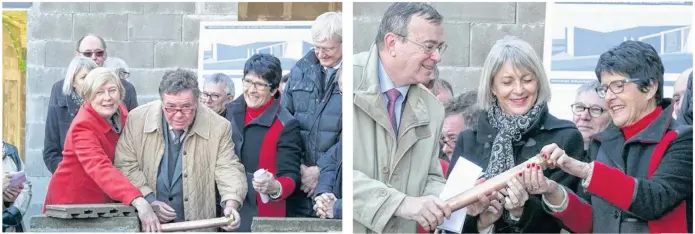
(10, 194)
(231, 210)
(269, 185)
(324, 205)
(164, 212)
(149, 222)
(310, 178)
(428, 211)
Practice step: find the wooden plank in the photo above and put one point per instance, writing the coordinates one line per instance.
(14, 81)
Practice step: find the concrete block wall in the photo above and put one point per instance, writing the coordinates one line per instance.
(150, 37)
(470, 30)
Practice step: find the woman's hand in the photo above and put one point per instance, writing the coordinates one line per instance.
(515, 196)
(535, 181)
(493, 212)
(557, 156)
(11, 194)
(148, 219)
(268, 185)
(6, 181)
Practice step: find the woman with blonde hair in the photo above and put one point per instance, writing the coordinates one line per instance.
(86, 174)
(513, 125)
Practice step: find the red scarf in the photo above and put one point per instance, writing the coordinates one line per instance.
(253, 113)
(632, 130)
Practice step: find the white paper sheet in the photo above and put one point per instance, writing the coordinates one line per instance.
(262, 174)
(461, 178)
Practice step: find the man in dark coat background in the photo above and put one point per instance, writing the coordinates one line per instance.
(312, 96)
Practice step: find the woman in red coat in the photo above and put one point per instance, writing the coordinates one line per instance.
(86, 174)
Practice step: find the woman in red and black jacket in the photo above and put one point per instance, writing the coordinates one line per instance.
(638, 175)
(266, 137)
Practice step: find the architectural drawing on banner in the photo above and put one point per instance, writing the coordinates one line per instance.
(578, 33)
(225, 46)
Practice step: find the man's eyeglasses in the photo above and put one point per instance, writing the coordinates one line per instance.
(212, 96)
(89, 54)
(448, 139)
(616, 87)
(184, 110)
(123, 74)
(594, 111)
(429, 48)
(325, 50)
(258, 85)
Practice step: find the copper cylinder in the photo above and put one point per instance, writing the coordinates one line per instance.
(197, 224)
(495, 183)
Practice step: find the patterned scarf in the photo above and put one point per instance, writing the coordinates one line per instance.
(510, 130)
(76, 98)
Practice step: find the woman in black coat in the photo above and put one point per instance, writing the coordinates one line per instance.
(63, 106)
(640, 175)
(265, 137)
(512, 126)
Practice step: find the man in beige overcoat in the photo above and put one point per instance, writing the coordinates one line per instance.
(176, 150)
(397, 176)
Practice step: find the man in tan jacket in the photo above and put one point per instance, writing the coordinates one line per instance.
(397, 176)
(176, 150)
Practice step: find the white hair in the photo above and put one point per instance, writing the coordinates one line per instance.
(114, 64)
(220, 78)
(519, 54)
(76, 65)
(328, 26)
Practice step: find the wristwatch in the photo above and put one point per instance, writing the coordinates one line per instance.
(276, 195)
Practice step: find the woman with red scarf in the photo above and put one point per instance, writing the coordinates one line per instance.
(266, 137)
(638, 175)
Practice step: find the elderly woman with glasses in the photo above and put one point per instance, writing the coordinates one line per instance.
(513, 125)
(639, 178)
(266, 138)
(590, 113)
(86, 175)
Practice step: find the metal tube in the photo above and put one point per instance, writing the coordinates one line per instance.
(495, 183)
(197, 224)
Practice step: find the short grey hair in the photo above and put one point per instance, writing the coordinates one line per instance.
(220, 78)
(463, 104)
(76, 65)
(398, 15)
(522, 56)
(328, 26)
(175, 81)
(590, 86)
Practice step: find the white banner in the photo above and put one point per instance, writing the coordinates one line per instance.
(225, 46)
(577, 33)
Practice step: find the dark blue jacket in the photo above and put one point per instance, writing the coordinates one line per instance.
(316, 103)
(331, 177)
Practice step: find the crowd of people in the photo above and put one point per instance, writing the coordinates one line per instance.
(197, 152)
(623, 164)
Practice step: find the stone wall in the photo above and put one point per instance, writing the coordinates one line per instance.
(470, 30)
(150, 37)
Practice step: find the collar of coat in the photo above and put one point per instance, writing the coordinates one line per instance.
(652, 133)
(201, 120)
(369, 98)
(486, 133)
